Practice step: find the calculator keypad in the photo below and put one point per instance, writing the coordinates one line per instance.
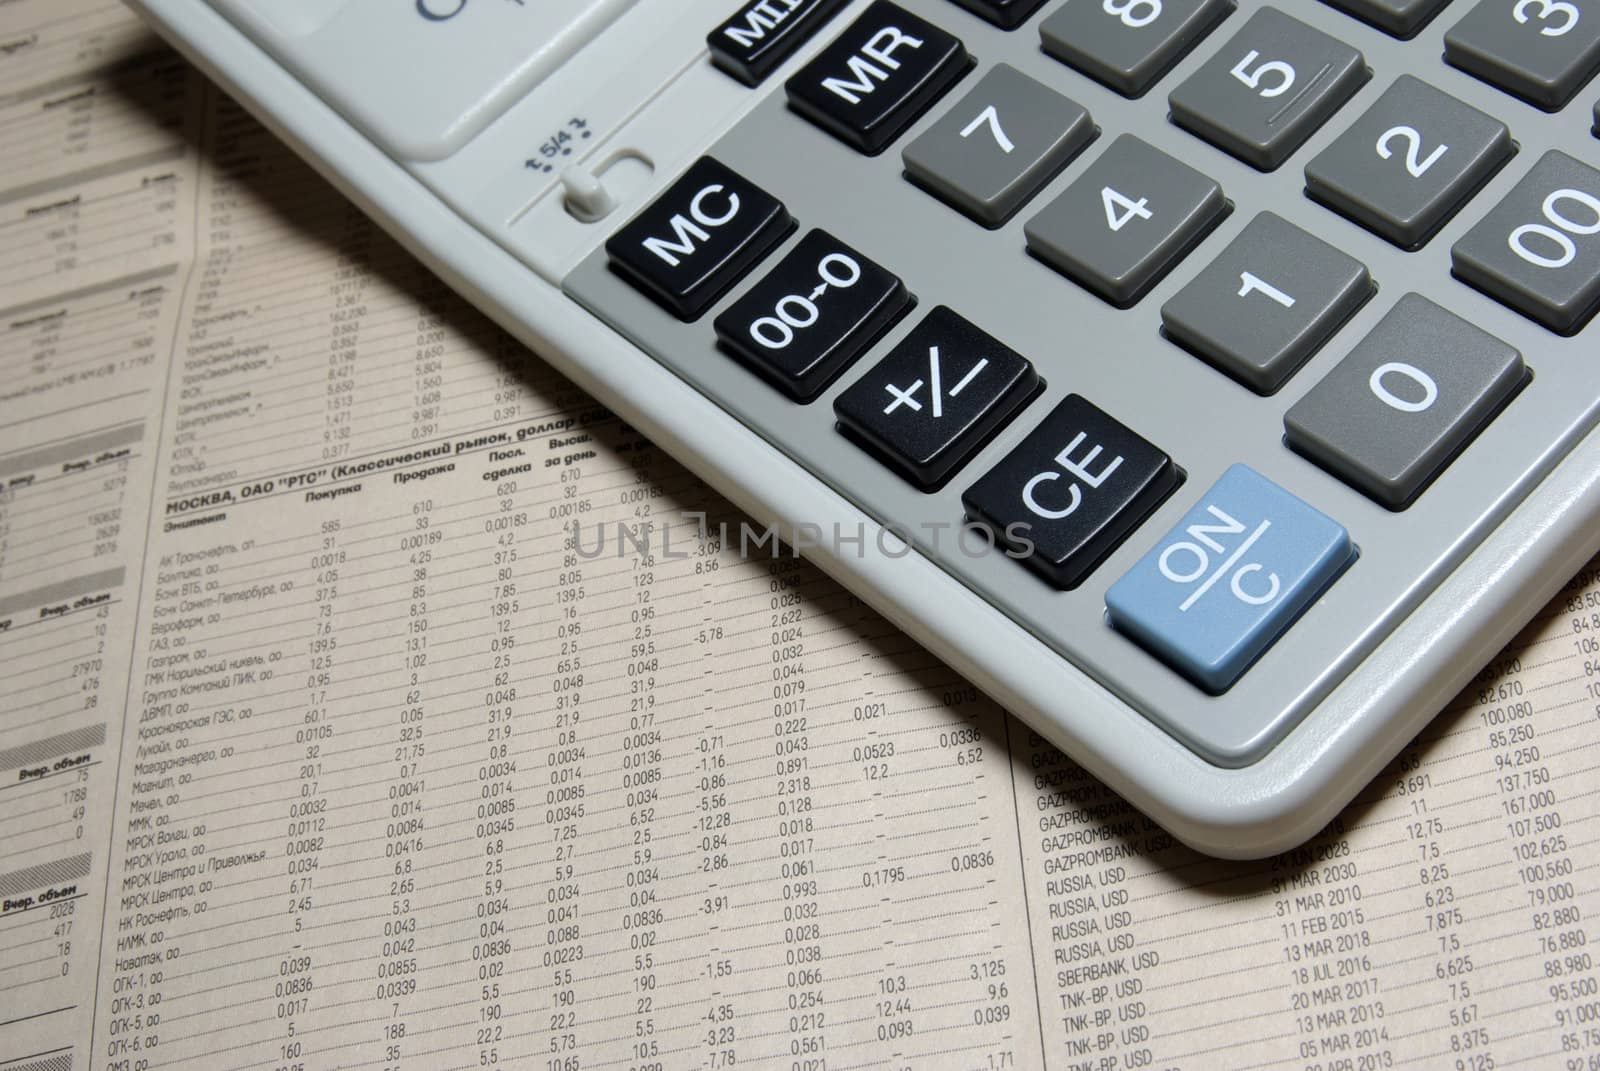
(1405, 401)
(1538, 250)
(811, 315)
(1405, 166)
(698, 237)
(1071, 491)
(1269, 314)
(992, 151)
(1126, 220)
(937, 396)
(1267, 302)
(1128, 44)
(1264, 92)
(1540, 50)
(880, 74)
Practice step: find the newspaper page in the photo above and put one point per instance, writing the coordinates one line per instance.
(327, 742)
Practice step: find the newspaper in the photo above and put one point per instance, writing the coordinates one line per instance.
(326, 741)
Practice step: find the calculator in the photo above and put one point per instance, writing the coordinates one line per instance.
(1212, 382)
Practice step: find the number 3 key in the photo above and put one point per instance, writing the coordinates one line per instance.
(1540, 50)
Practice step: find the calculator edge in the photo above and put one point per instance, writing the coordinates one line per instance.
(1250, 812)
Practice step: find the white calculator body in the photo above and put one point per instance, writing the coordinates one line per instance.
(1212, 382)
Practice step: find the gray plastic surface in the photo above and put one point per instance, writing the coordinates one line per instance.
(1252, 811)
(379, 63)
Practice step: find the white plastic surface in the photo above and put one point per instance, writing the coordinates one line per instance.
(423, 76)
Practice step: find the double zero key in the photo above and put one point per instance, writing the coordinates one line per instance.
(1538, 250)
(812, 315)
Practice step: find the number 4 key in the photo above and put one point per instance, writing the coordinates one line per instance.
(1126, 221)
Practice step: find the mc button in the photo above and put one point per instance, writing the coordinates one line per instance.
(698, 237)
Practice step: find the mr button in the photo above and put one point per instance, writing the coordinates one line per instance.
(1074, 489)
(1219, 588)
(698, 237)
(878, 76)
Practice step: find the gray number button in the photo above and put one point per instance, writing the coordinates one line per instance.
(1126, 221)
(1268, 89)
(1539, 249)
(1410, 162)
(1128, 44)
(1267, 303)
(1540, 50)
(993, 151)
(1407, 399)
(1402, 18)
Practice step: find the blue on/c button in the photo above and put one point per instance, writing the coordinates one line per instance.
(1223, 584)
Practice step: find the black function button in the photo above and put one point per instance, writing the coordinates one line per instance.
(877, 77)
(812, 315)
(1006, 14)
(938, 396)
(698, 237)
(761, 35)
(1072, 491)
